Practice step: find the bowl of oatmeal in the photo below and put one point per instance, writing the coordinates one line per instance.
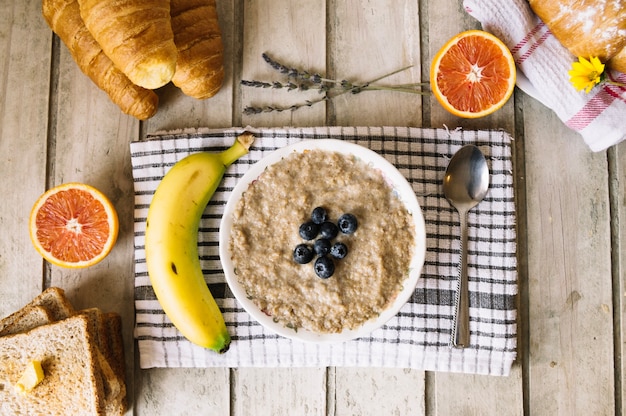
(322, 241)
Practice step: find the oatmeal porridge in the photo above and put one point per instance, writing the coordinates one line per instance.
(265, 231)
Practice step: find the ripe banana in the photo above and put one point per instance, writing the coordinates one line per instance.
(171, 244)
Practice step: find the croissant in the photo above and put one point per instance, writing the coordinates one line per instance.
(136, 35)
(587, 28)
(63, 17)
(200, 66)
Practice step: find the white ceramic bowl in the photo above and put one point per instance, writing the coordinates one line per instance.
(400, 186)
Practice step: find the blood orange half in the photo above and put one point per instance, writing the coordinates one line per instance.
(473, 74)
(73, 225)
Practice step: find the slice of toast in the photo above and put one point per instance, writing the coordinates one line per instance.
(72, 383)
(115, 388)
(107, 335)
(52, 299)
(30, 317)
(113, 323)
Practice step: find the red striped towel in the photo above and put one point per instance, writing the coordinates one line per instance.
(543, 63)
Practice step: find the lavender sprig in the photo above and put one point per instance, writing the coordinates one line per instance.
(294, 72)
(273, 108)
(276, 85)
(301, 80)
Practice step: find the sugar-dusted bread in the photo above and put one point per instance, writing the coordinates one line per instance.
(72, 384)
(587, 28)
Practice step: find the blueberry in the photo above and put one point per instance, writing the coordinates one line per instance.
(324, 267)
(309, 230)
(319, 215)
(328, 230)
(339, 250)
(347, 223)
(321, 247)
(303, 254)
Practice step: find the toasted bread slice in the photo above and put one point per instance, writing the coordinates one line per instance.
(72, 383)
(114, 386)
(106, 330)
(113, 323)
(30, 317)
(55, 301)
(52, 299)
(96, 317)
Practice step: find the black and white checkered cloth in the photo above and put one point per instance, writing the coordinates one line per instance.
(419, 335)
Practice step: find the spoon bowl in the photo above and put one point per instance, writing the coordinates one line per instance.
(465, 184)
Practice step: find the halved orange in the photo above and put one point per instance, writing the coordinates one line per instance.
(473, 74)
(73, 225)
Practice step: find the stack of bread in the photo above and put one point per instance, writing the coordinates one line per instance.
(80, 352)
(588, 28)
(128, 48)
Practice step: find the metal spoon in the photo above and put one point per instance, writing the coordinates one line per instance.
(465, 184)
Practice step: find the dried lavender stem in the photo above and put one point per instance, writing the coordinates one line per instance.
(329, 87)
(294, 72)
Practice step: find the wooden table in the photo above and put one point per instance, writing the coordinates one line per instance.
(56, 126)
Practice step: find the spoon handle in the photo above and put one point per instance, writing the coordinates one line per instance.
(460, 331)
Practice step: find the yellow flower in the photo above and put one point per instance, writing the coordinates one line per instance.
(585, 74)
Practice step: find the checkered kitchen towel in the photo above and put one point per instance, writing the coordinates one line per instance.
(543, 64)
(418, 337)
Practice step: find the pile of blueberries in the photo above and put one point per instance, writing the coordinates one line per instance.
(320, 226)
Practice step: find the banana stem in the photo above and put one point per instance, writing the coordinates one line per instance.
(239, 148)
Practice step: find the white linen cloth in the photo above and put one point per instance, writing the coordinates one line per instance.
(543, 64)
(419, 335)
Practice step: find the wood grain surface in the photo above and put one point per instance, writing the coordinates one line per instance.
(56, 126)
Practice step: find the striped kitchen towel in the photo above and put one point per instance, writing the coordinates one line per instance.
(419, 335)
(543, 65)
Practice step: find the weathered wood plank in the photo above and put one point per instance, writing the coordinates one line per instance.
(618, 188)
(368, 40)
(567, 241)
(292, 32)
(91, 139)
(182, 391)
(458, 393)
(278, 391)
(25, 45)
(198, 390)
(365, 41)
(445, 20)
(569, 270)
(375, 391)
(475, 395)
(178, 111)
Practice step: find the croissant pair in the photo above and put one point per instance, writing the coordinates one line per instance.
(128, 48)
(588, 28)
